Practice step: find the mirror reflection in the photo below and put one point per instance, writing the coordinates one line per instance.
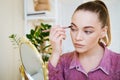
(31, 61)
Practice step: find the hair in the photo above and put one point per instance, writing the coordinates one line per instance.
(100, 8)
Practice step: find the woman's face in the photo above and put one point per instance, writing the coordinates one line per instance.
(86, 30)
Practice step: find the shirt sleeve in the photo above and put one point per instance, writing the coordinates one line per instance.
(55, 73)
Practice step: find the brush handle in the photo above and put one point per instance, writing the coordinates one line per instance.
(48, 30)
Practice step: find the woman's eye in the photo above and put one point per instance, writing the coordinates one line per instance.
(73, 29)
(88, 32)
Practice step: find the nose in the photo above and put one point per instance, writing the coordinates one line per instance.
(79, 36)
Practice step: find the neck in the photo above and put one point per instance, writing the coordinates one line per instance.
(91, 59)
(97, 51)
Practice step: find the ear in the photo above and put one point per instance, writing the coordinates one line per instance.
(103, 32)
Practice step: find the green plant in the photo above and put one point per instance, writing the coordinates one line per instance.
(41, 39)
(15, 40)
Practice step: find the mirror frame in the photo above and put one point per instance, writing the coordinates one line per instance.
(24, 40)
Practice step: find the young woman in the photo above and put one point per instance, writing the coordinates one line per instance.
(90, 33)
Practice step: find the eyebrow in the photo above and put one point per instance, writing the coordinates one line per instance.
(84, 26)
(89, 27)
(74, 24)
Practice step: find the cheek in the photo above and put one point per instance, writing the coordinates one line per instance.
(88, 39)
(92, 39)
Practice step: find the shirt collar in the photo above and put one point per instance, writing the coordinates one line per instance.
(104, 64)
(75, 63)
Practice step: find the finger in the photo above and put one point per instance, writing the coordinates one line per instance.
(57, 35)
(60, 33)
(56, 29)
(57, 45)
(61, 37)
(56, 32)
(57, 38)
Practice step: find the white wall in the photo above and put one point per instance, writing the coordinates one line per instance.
(114, 8)
(66, 9)
(11, 21)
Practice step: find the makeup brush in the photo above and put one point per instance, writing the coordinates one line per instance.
(48, 30)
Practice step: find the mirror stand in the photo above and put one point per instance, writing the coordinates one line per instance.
(33, 66)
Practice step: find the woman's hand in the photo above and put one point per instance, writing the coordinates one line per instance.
(57, 34)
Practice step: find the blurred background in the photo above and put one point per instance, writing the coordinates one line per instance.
(12, 20)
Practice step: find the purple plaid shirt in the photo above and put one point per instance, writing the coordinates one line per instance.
(69, 68)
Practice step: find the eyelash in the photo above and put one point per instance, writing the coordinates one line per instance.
(73, 28)
(88, 32)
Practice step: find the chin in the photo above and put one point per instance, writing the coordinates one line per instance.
(80, 50)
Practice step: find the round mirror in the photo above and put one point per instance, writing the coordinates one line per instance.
(31, 61)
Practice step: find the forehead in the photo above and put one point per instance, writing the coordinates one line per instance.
(85, 18)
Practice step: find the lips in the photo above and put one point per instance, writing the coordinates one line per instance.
(78, 45)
